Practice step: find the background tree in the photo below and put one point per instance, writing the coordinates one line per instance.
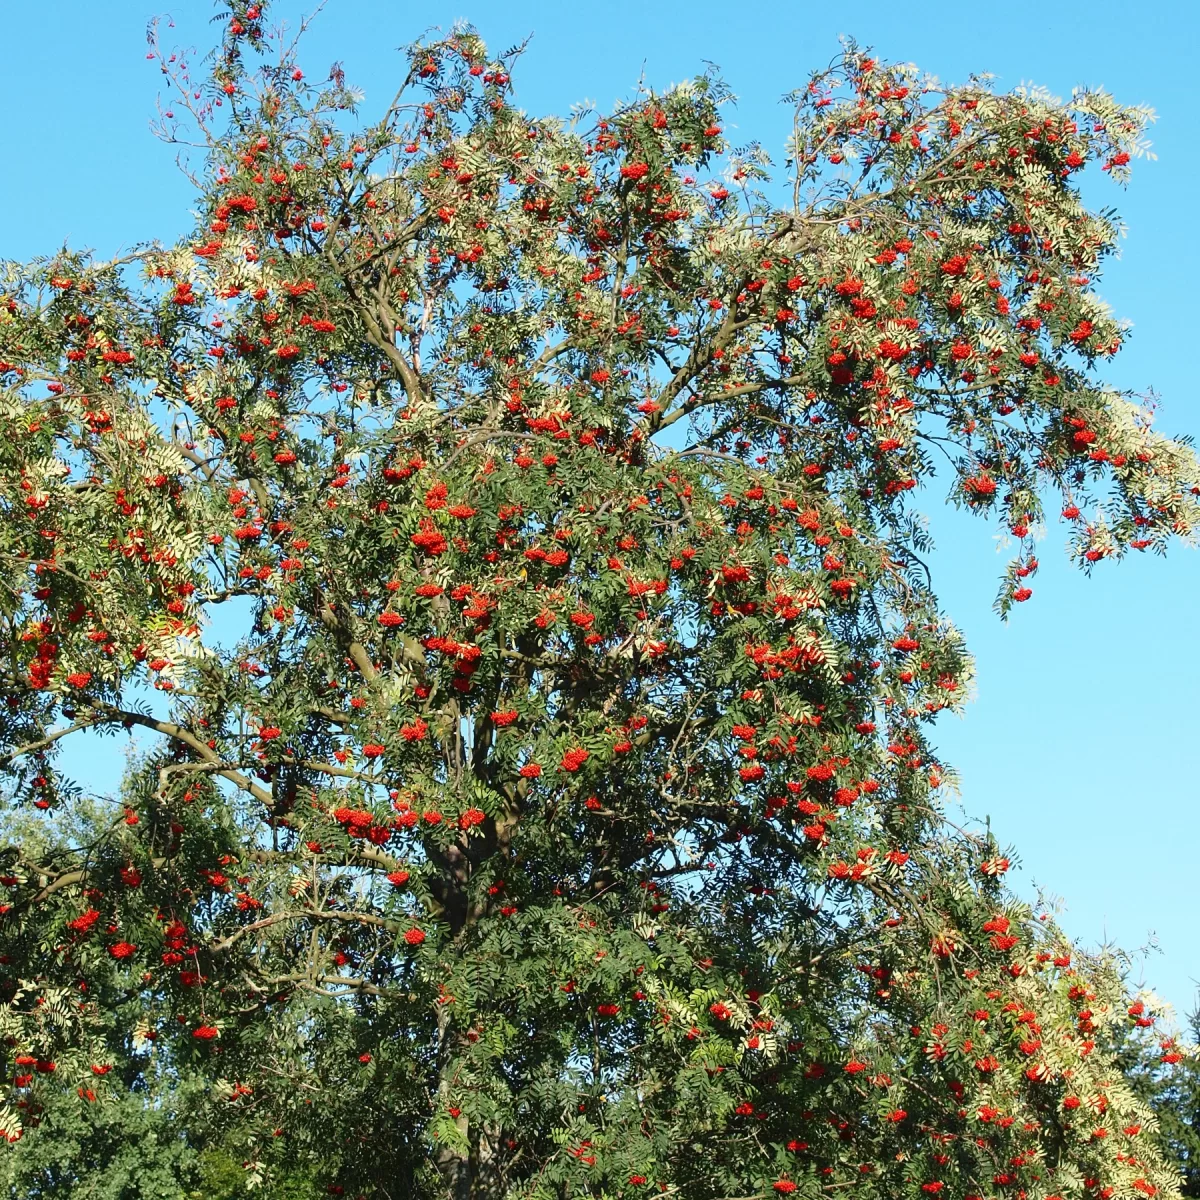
(1176, 1102)
(1165, 1072)
(505, 527)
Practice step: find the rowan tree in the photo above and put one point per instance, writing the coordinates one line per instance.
(503, 531)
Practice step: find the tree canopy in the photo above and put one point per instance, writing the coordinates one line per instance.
(501, 534)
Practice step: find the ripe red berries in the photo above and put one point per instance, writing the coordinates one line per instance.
(574, 759)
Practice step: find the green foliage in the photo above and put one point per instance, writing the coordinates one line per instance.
(503, 529)
(1176, 1102)
(124, 1145)
(1165, 1072)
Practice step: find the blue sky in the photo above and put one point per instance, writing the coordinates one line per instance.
(1083, 743)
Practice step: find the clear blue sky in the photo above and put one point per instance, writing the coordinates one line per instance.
(1083, 743)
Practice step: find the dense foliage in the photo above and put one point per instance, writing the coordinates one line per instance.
(1167, 1075)
(502, 529)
